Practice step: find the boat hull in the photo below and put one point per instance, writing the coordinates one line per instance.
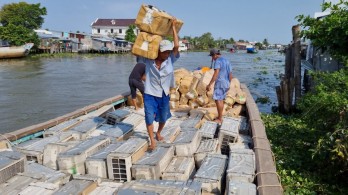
(15, 52)
(264, 163)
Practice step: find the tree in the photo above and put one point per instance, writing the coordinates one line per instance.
(231, 40)
(265, 42)
(18, 35)
(22, 14)
(259, 45)
(18, 21)
(206, 41)
(330, 32)
(130, 35)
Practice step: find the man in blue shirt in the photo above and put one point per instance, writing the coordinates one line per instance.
(222, 78)
(159, 79)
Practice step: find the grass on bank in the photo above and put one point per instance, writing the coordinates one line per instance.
(292, 143)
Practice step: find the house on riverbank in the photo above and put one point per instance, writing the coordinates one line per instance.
(318, 60)
(60, 42)
(115, 28)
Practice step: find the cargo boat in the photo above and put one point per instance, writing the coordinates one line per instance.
(15, 51)
(102, 148)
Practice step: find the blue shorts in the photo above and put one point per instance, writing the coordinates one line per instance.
(156, 108)
(220, 93)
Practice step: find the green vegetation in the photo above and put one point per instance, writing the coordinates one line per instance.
(18, 21)
(329, 33)
(130, 35)
(207, 41)
(70, 55)
(311, 146)
(263, 100)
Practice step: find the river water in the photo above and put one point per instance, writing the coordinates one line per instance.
(34, 90)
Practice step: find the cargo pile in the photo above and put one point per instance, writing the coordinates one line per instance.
(106, 150)
(154, 24)
(190, 93)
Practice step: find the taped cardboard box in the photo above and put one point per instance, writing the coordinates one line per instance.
(155, 21)
(147, 45)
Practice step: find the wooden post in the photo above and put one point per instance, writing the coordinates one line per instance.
(280, 101)
(286, 100)
(297, 61)
(288, 58)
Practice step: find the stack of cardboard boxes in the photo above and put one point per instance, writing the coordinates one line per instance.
(154, 24)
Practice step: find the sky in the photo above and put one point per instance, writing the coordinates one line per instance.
(252, 20)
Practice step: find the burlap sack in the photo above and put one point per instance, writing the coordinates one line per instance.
(191, 95)
(194, 83)
(204, 81)
(230, 100)
(202, 100)
(183, 100)
(155, 21)
(185, 84)
(173, 104)
(193, 104)
(147, 45)
(174, 96)
(179, 74)
(235, 111)
(198, 74)
(235, 83)
(240, 97)
(139, 100)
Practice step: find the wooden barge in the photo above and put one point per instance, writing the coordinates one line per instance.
(142, 170)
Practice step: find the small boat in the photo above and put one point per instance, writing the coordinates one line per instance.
(232, 50)
(182, 47)
(197, 156)
(15, 51)
(251, 49)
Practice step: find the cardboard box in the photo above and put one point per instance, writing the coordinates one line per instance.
(155, 21)
(147, 45)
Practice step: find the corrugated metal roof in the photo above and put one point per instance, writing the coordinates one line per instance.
(113, 22)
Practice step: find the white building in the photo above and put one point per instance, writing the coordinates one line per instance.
(115, 28)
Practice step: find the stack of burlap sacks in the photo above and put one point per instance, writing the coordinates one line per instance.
(191, 93)
(154, 24)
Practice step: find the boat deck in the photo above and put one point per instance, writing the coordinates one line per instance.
(106, 150)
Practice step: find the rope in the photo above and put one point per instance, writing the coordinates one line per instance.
(265, 138)
(268, 151)
(12, 135)
(270, 172)
(281, 187)
(7, 139)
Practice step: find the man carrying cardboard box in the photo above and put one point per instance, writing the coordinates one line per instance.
(159, 79)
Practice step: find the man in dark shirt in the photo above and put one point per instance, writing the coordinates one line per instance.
(136, 79)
